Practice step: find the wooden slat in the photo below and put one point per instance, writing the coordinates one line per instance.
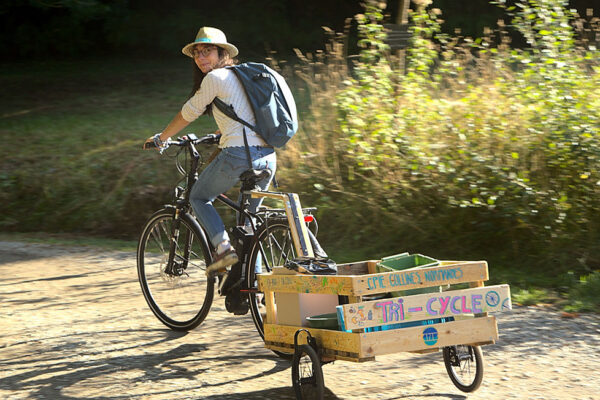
(295, 217)
(427, 306)
(355, 268)
(298, 228)
(330, 339)
(426, 351)
(354, 299)
(279, 346)
(323, 284)
(270, 305)
(417, 278)
(372, 266)
(414, 278)
(477, 330)
(325, 354)
(362, 346)
(272, 195)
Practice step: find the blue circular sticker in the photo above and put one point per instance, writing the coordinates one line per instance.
(430, 336)
(492, 298)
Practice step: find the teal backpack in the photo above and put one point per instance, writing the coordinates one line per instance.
(271, 100)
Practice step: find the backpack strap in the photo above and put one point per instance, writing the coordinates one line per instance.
(228, 110)
(247, 149)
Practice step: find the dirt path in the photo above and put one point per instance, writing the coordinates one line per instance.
(74, 325)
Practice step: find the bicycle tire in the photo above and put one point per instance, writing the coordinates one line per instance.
(179, 297)
(307, 374)
(461, 374)
(274, 244)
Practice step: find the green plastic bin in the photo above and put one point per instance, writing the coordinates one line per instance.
(323, 321)
(405, 261)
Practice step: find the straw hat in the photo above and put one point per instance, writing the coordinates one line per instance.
(210, 36)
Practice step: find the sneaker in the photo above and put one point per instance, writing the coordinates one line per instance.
(222, 261)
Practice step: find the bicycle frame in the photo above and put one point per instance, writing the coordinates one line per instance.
(291, 201)
(238, 283)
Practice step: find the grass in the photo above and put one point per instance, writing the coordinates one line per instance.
(529, 297)
(66, 239)
(76, 130)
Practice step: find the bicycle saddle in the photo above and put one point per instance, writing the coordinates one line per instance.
(251, 177)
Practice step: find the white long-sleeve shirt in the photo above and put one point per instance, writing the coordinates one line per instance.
(223, 83)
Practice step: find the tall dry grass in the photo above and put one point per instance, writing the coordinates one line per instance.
(478, 150)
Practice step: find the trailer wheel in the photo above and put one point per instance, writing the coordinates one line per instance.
(307, 374)
(465, 366)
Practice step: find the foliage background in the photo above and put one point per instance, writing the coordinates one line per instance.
(42, 29)
(484, 145)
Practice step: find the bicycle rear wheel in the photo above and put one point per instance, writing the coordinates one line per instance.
(272, 247)
(179, 294)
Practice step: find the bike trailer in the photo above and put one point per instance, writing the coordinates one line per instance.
(363, 312)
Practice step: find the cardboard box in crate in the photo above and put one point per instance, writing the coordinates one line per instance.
(293, 308)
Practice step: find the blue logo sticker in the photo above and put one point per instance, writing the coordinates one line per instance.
(492, 298)
(430, 336)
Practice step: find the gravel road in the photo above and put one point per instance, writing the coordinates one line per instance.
(74, 325)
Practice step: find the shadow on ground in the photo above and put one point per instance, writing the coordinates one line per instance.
(54, 373)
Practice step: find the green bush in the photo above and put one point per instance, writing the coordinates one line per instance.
(528, 297)
(478, 150)
(585, 294)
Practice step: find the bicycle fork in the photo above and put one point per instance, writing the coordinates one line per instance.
(174, 268)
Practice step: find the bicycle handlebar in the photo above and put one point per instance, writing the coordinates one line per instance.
(209, 139)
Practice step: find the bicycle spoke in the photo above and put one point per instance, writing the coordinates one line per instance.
(287, 245)
(157, 238)
(270, 240)
(164, 228)
(263, 257)
(281, 248)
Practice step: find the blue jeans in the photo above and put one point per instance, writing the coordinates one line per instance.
(219, 176)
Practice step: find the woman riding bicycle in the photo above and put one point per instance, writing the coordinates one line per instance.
(211, 53)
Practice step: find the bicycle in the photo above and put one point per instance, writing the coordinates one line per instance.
(173, 251)
(173, 254)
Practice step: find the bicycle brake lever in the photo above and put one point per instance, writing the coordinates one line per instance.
(165, 145)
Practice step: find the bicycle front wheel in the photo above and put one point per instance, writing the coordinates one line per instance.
(179, 293)
(272, 247)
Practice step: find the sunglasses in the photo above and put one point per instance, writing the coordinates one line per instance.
(203, 51)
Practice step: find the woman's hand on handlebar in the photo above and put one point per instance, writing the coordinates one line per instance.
(212, 138)
(155, 142)
(149, 143)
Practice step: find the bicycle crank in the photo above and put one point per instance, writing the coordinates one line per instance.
(237, 304)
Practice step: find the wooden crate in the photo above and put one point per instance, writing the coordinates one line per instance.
(370, 327)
